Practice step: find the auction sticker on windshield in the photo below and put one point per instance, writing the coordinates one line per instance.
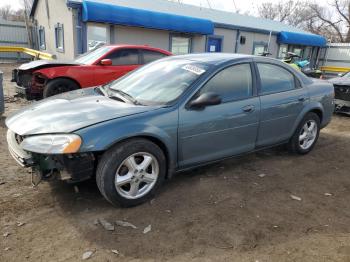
(194, 69)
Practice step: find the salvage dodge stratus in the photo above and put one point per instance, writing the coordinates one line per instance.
(174, 114)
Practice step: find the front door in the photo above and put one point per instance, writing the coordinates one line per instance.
(222, 130)
(214, 44)
(282, 100)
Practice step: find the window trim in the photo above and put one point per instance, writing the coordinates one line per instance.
(172, 35)
(213, 74)
(297, 82)
(42, 46)
(59, 48)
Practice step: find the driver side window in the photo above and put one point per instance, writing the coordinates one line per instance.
(125, 57)
(232, 83)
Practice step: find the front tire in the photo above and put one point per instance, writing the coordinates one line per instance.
(129, 173)
(59, 86)
(306, 135)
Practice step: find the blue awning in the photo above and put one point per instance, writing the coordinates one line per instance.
(114, 14)
(301, 39)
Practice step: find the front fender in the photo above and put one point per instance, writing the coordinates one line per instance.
(104, 135)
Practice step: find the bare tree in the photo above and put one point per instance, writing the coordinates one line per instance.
(5, 12)
(336, 17)
(331, 20)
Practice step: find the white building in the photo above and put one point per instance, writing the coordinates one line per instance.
(68, 28)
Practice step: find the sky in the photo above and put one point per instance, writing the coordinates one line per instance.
(243, 6)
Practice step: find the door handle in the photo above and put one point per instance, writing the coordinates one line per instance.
(302, 99)
(248, 109)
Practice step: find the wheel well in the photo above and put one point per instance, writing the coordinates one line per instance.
(67, 78)
(156, 141)
(319, 113)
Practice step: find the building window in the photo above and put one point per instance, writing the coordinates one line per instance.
(41, 36)
(259, 48)
(299, 51)
(282, 51)
(180, 45)
(59, 37)
(97, 35)
(242, 40)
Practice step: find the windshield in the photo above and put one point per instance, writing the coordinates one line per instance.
(347, 75)
(90, 57)
(160, 82)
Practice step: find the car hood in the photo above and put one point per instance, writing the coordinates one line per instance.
(340, 81)
(45, 63)
(69, 112)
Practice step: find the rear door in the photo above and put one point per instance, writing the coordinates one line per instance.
(282, 100)
(123, 61)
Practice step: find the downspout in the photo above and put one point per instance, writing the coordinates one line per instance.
(238, 33)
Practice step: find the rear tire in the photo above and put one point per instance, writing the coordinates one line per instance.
(58, 86)
(306, 135)
(130, 173)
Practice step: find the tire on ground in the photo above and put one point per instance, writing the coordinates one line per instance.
(294, 144)
(114, 157)
(58, 86)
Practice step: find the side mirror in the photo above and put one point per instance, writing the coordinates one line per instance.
(206, 99)
(106, 62)
(340, 74)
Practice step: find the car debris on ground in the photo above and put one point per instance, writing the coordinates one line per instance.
(125, 224)
(295, 197)
(108, 226)
(6, 234)
(147, 229)
(114, 251)
(87, 255)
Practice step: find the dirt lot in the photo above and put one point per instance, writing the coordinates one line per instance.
(223, 212)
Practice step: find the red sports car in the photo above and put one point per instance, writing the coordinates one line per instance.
(44, 78)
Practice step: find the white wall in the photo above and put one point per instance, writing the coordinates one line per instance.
(58, 12)
(140, 36)
(251, 37)
(229, 40)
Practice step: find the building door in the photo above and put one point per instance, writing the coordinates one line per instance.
(214, 44)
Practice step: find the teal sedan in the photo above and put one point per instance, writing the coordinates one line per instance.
(171, 115)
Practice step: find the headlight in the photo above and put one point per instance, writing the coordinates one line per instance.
(52, 144)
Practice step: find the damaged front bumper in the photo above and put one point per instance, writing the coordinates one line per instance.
(342, 99)
(68, 167)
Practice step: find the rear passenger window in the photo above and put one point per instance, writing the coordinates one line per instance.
(232, 83)
(124, 57)
(150, 56)
(275, 79)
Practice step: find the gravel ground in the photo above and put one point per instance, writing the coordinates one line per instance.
(237, 210)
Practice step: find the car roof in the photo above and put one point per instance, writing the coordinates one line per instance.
(212, 58)
(147, 47)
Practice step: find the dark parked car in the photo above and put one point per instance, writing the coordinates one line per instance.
(342, 93)
(45, 78)
(173, 114)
